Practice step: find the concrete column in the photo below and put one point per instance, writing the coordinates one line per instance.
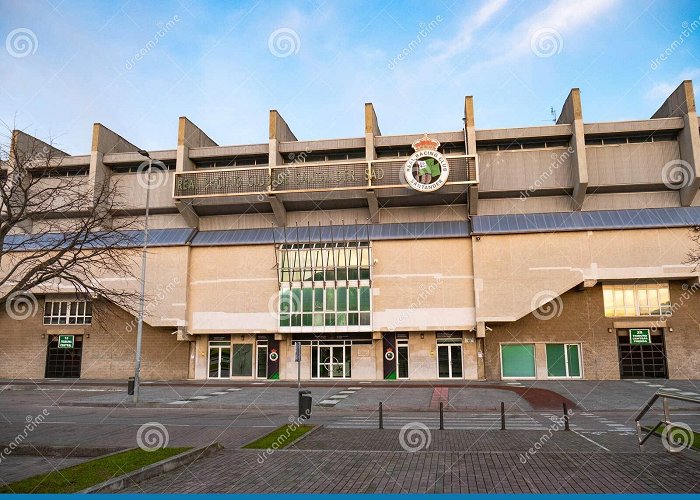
(470, 149)
(571, 113)
(371, 131)
(681, 103)
(104, 141)
(279, 132)
(189, 136)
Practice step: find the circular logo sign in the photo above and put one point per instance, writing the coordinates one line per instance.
(274, 356)
(389, 355)
(426, 170)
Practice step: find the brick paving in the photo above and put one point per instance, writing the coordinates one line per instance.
(429, 472)
(363, 461)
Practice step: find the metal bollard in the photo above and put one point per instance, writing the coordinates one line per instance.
(503, 416)
(381, 416)
(566, 418)
(442, 421)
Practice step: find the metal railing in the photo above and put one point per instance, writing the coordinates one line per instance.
(667, 414)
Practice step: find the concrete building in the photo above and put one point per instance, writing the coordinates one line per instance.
(554, 251)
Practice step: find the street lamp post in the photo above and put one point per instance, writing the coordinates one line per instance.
(139, 329)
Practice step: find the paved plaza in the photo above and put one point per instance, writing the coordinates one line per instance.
(347, 452)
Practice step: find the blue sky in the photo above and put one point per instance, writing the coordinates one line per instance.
(67, 64)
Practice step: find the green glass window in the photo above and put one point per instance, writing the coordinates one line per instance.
(556, 362)
(352, 299)
(307, 294)
(364, 298)
(242, 361)
(563, 360)
(518, 360)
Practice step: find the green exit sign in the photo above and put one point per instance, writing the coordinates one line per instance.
(640, 336)
(65, 341)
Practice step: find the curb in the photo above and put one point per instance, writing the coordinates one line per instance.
(314, 428)
(156, 469)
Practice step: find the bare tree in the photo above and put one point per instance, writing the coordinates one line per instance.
(58, 232)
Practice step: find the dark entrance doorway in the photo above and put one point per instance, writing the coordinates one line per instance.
(646, 360)
(61, 361)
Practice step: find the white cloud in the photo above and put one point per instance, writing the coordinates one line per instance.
(660, 91)
(464, 39)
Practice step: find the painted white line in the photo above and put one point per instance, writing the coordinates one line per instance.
(346, 392)
(688, 393)
(234, 389)
(339, 396)
(183, 402)
(588, 439)
(329, 402)
(200, 397)
(218, 393)
(355, 388)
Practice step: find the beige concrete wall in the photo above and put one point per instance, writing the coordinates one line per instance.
(422, 285)
(522, 170)
(639, 163)
(514, 272)
(578, 317)
(108, 353)
(233, 290)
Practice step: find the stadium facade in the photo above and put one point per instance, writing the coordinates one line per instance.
(549, 252)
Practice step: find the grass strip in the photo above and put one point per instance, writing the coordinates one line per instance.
(695, 444)
(81, 476)
(280, 437)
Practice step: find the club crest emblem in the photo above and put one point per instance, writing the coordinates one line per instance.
(427, 169)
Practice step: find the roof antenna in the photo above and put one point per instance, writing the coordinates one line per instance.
(553, 113)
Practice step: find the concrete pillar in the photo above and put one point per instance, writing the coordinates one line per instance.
(279, 132)
(681, 103)
(571, 113)
(470, 149)
(189, 136)
(104, 141)
(371, 131)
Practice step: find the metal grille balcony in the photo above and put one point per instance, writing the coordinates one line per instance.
(311, 177)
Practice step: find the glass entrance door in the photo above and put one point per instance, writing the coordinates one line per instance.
(449, 360)
(332, 361)
(63, 361)
(219, 362)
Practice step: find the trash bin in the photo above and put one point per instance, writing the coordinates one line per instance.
(130, 386)
(305, 404)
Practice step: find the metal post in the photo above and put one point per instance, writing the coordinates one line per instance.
(503, 416)
(667, 414)
(381, 416)
(139, 330)
(566, 418)
(442, 421)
